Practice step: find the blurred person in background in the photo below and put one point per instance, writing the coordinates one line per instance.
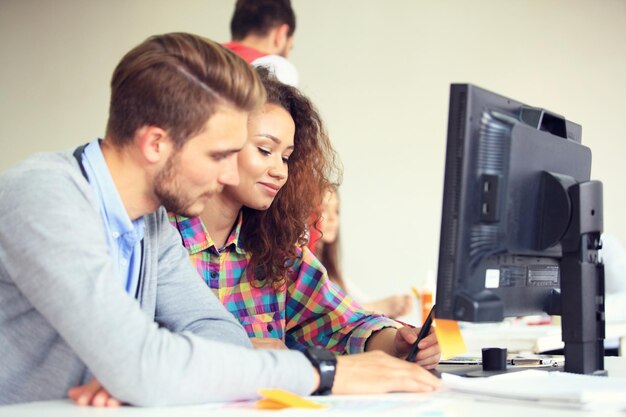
(326, 245)
(262, 33)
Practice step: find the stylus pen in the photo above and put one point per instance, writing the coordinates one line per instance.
(422, 334)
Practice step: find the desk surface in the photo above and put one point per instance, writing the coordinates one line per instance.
(441, 404)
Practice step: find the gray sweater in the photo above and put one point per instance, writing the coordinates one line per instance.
(63, 315)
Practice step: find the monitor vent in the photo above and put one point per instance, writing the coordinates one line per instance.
(494, 136)
(483, 242)
(456, 152)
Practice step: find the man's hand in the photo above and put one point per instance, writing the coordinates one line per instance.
(377, 372)
(267, 343)
(93, 394)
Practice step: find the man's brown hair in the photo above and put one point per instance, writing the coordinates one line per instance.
(176, 81)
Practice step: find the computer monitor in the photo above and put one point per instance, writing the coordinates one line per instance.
(521, 222)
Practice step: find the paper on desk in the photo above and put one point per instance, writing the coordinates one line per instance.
(450, 338)
(555, 388)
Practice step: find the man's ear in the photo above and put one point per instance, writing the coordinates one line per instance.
(281, 36)
(154, 144)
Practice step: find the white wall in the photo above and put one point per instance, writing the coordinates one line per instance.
(378, 70)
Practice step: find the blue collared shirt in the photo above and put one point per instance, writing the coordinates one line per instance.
(123, 235)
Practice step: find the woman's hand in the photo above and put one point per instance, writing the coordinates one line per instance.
(398, 343)
(429, 352)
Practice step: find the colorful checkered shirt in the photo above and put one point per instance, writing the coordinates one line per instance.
(311, 310)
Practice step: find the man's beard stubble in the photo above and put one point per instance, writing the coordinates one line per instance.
(169, 192)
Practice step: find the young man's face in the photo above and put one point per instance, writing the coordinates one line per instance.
(204, 165)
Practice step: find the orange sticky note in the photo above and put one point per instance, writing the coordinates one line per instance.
(275, 399)
(450, 338)
(265, 404)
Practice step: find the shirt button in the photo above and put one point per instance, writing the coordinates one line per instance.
(115, 235)
(214, 275)
(124, 262)
(270, 327)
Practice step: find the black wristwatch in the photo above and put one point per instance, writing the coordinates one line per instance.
(326, 363)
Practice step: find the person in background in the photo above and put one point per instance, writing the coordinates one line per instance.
(326, 245)
(262, 33)
(249, 244)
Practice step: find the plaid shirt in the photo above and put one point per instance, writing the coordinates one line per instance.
(311, 310)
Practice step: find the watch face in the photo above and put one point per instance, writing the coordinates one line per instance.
(325, 366)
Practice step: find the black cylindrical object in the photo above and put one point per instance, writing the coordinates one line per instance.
(494, 359)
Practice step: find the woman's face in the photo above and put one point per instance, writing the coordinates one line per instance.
(330, 217)
(262, 162)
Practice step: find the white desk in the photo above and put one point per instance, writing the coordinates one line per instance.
(440, 404)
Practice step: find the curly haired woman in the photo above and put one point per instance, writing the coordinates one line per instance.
(249, 244)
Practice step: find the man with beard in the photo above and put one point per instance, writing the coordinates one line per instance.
(83, 240)
(95, 284)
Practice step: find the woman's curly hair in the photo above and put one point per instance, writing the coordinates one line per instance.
(271, 235)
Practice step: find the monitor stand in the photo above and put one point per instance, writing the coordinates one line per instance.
(582, 282)
(573, 218)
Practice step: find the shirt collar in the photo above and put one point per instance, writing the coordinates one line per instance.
(196, 238)
(119, 224)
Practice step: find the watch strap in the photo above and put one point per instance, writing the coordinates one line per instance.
(326, 364)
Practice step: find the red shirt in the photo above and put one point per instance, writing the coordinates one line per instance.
(247, 53)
